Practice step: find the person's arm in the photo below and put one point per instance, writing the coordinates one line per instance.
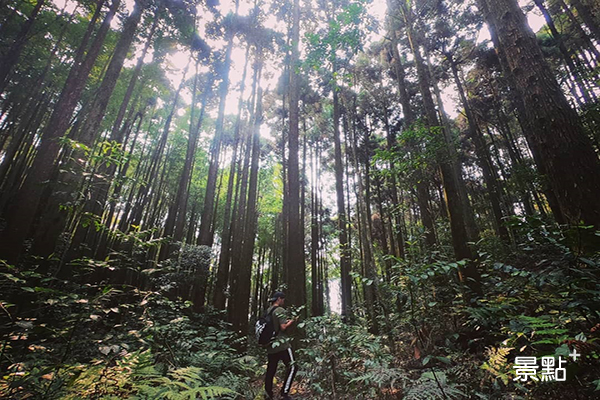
(286, 324)
(283, 326)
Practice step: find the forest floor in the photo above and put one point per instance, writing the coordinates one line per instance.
(72, 339)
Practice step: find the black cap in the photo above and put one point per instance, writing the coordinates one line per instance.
(277, 295)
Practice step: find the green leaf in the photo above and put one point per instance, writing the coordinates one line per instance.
(445, 360)
(12, 277)
(562, 351)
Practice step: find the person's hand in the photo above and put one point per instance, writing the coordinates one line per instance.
(291, 321)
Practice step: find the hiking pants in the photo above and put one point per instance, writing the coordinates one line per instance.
(287, 356)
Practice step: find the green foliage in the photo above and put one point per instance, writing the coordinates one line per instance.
(346, 359)
(539, 296)
(61, 339)
(418, 151)
(497, 363)
(174, 277)
(182, 383)
(434, 385)
(343, 32)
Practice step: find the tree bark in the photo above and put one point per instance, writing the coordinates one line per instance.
(240, 285)
(586, 15)
(565, 154)
(345, 265)
(205, 236)
(460, 238)
(177, 211)
(21, 213)
(423, 196)
(12, 55)
(485, 163)
(54, 219)
(368, 260)
(566, 54)
(222, 276)
(296, 276)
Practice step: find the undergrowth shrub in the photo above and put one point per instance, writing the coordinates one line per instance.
(346, 361)
(541, 298)
(62, 339)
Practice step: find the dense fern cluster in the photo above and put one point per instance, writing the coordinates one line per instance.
(65, 339)
(62, 339)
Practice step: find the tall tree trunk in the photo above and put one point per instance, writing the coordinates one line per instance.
(566, 54)
(565, 154)
(485, 163)
(460, 238)
(584, 35)
(234, 304)
(133, 217)
(101, 188)
(584, 12)
(296, 277)
(11, 57)
(423, 196)
(240, 285)
(368, 259)
(205, 235)
(222, 276)
(314, 236)
(345, 265)
(21, 213)
(53, 218)
(470, 224)
(177, 210)
(397, 240)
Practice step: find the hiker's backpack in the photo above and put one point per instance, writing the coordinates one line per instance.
(265, 329)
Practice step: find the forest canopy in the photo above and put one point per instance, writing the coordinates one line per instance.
(420, 177)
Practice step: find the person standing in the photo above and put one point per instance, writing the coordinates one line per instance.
(280, 348)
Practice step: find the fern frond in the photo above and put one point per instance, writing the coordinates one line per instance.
(497, 363)
(211, 392)
(430, 387)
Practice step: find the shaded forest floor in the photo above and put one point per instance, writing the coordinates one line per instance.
(72, 338)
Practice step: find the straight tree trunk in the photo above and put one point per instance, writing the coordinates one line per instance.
(53, 218)
(460, 238)
(345, 265)
(143, 197)
(566, 54)
(296, 276)
(565, 154)
(240, 285)
(21, 213)
(584, 12)
(102, 187)
(205, 236)
(470, 224)
(423, 196)
(222, 276)
(11, 57)
(235, 304)
(177, 210)
(316, 277)
(493, 187)
(370, 286)
(584, 35)
(396, 240)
